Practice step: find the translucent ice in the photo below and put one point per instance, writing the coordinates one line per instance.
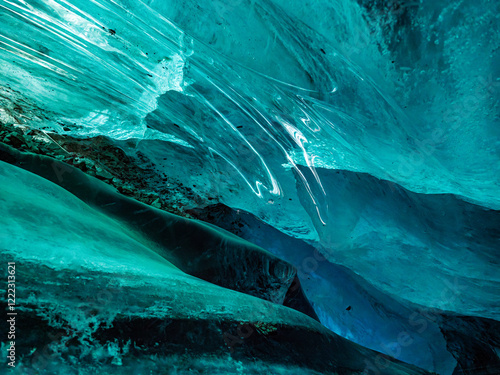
(97, 290)
(368, 129)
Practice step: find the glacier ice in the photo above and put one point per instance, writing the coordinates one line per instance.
(136, 291)
(361, 134)
(353, 308)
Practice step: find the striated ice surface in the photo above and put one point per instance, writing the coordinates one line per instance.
(398, 91)
(366, 130)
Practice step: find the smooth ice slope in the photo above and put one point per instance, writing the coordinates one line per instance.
(51, 233)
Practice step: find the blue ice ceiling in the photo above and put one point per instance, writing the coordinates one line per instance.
(361, 134)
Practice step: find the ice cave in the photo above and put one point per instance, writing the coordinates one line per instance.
(276, 187)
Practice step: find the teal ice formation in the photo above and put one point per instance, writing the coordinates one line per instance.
(250, 186)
